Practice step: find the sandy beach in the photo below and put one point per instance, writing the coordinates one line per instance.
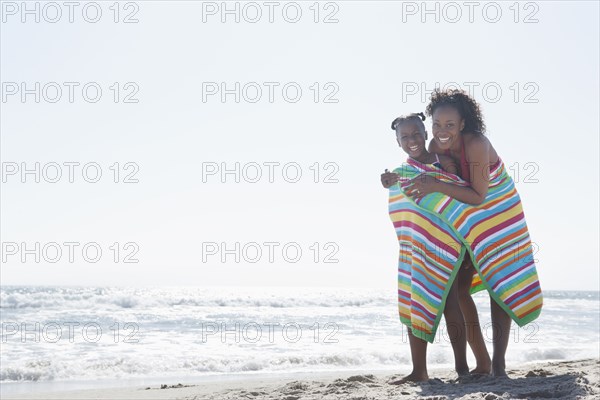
(551, 380)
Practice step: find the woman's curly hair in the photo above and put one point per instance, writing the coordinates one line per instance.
(468, 108)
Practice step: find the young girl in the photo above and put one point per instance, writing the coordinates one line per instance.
(411, 136)
(465, 274)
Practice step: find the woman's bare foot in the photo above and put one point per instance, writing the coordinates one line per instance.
(413, 377)
(482, 370)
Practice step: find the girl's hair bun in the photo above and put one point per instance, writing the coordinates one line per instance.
(405, 118)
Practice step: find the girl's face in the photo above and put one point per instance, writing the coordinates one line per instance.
(411, 139)
(447, 125)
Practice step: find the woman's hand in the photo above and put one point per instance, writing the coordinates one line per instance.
(420, 186)
(389, 179)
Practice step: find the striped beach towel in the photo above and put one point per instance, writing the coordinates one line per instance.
(437, 232)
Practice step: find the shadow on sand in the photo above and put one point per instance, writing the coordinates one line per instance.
(537, 384)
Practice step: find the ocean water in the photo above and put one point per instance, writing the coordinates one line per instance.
(104, 334)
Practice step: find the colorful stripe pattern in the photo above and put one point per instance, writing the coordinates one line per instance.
(435, 233)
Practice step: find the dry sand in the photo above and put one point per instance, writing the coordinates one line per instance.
(551, 380)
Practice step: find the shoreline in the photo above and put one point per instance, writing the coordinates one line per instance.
(32, 388)
(553, 379)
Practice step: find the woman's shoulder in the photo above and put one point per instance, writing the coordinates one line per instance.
(478, 143)
(470, 137)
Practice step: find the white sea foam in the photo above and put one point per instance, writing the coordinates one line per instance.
(73, 334)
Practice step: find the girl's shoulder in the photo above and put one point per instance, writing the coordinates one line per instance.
(433, 147)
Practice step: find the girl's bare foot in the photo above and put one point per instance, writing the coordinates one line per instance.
(499, 373)
(413, 377)
(499, 370)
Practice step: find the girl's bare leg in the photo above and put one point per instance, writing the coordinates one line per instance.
(418, 352)
(455, 324)
(501, 330)
(469, 311)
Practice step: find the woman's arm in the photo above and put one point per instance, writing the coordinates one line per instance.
(448, 164)
(465, 194)
(477, 151)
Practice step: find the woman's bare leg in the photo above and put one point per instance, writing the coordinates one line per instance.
(467, 306)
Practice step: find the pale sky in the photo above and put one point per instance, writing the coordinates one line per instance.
(537, 82)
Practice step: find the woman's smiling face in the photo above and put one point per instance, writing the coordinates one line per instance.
(447, 125)
(411, 138)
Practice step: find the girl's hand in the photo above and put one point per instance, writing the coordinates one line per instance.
(389, 179)
(420, 186)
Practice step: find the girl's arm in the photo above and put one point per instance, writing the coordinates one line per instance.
(477, 150)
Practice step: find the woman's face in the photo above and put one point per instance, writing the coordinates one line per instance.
(411, 139)
(447, 125)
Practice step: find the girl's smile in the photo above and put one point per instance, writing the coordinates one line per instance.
(412, 139)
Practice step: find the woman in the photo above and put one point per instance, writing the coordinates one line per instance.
(458, 131)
